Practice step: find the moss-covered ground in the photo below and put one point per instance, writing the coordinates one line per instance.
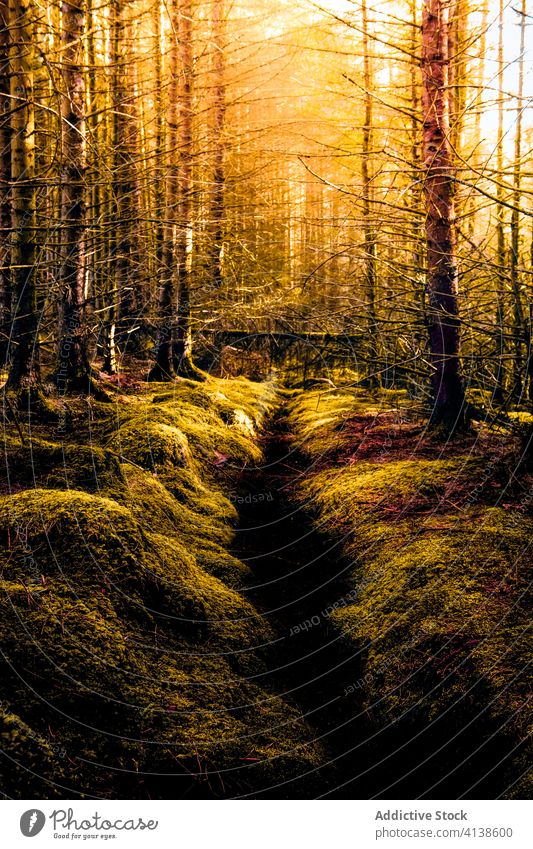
(142, 657)
(438, 541)
(132, 661)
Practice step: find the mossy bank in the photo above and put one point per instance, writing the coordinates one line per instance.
(438, 542)
(132, 661)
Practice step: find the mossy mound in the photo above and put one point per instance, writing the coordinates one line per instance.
(441, 574)
(125, 640)
(129, 694)
(172, 432)
(450, 605)
(319, 417)
(27, 756)
(395, 488)
(58, 465)
(186, 508)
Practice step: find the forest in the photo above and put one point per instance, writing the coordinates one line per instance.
(266, 317)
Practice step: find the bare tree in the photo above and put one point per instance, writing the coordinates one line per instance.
(163, 368)
(501, 271)
(371, 248)
(5, 180)
(73, 363)
(218, 179)
(25, 368)
(444, 325)
(183, 337)
(514, 272)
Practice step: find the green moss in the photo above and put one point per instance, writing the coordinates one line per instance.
(218, 562)
(123, 630)
(151, 444)
(36, 759)
(319, 416)
(190, 425)
(450, 607)
(60, 465)
(442, 594)
(186, 507)
(393, 488)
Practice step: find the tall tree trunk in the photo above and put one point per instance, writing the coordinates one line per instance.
(125, 177)
(501, 271)
(183, 339)
(444, 325)
(25, 371)
(95, 243)
(416, 200)
(518, 313)
(218, 184)
(159, 141)
(73, 363)
(119, 266)
(5, 191)
(371, 251)
(122, 297)
(163, 368)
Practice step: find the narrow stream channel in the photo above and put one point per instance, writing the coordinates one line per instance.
(298, 575)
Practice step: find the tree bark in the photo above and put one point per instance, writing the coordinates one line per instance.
(25, 369)
(73, 362)
(518, 312)
(444, 325)
(163, 368)
(125, 177)
(416, 191)
(371, 250)
(183, 339)
(5, 192)
(501, 272)
(218, 185)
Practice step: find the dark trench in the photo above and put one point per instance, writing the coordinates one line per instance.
(299, 574)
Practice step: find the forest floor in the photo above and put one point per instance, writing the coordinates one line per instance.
(396, 570)
(229, 590)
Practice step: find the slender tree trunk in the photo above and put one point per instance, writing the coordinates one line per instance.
(159, 142)
(501, 272)
(126, 184)
(518, 313)
(125, 190)
(444, 325)
(416, 193)
(25, 370)
(164, 362)
(5, 193)
(93, 238)
(218, 185)
(371, 251)
(73, 362)
(183, 339)
(116, 282)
